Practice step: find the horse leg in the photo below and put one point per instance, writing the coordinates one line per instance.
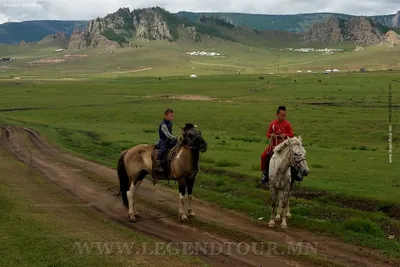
(182, 191)
(190, 184)
(132, 193)
(279, 212)
(285, 206)
(288, 214)
(273, 206)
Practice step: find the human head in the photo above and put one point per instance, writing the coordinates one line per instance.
(281, 113)
(169, 114)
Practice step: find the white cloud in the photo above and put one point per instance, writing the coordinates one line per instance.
(19, 10)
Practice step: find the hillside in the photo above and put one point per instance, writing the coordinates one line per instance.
(292, 23)
(33, 31)
(126, 28)
(359, 30)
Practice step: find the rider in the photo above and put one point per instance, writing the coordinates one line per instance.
(167, 140)
(279, 130)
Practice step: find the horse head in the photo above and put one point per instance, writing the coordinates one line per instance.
(193, 138)
(298, 155)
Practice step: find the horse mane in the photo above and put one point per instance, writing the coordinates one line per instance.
(294, 140)
(188, 126)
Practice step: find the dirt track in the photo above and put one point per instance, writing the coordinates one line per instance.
(92, 183)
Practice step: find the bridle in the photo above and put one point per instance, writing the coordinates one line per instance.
(292, 160)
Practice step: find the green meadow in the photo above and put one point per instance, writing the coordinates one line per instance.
(351, 192)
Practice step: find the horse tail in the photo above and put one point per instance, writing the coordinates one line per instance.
(123, 179)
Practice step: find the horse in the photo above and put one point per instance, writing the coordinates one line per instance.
(183, 161)
(288, 153)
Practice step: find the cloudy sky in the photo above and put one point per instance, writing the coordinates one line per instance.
(21, 10)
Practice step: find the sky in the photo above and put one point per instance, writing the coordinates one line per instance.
(22, 10)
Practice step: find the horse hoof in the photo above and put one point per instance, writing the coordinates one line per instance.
(132, 220)
(277, 219)
(137, 216)
(284, 226)
(191, 213)
(270, 225)
(288, 215)
(183, 218)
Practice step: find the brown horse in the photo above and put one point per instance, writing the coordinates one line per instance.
(183, 159)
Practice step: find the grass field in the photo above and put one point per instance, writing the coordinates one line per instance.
(170, 59)
(351, 192)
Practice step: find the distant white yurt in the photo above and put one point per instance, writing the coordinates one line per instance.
(193, 76)
(335, 70)
(309, 71)
(327, 71)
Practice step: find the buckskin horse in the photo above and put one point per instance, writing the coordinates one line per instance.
(183, 159)
(288, 153)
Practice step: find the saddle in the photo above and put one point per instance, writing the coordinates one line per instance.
(170, 155)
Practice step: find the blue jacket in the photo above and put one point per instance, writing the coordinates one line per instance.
(165, 131)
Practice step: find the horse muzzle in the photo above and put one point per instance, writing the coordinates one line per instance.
(304, 173)
(203, 147)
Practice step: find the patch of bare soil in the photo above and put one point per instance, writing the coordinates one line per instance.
(193, 98)
(68, 216)
(80, 178)
(189, 97)
(46, 61)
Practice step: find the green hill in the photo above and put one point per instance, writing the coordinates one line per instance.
(33, 31)
(291, 23)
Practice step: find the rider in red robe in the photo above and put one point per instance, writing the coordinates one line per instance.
(278, 131)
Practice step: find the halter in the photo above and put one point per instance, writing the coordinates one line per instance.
(292, 161)
(190, 142)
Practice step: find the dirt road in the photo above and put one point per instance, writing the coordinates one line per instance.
(94, 184)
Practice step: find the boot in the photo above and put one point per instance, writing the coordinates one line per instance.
(159, 167)
(264, 177)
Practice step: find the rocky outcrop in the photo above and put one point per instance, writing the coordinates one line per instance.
(327, 31)
(77, 40)
(59, 36)
(118, 28)
(396, 20)
(360, 30)
(83, 39)
(193, 34)
(151, 24)
(391, 38)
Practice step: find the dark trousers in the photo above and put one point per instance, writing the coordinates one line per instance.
(163, 149)
(164, 146)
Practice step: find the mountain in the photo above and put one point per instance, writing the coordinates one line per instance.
(33, 31)
(125, 27)
(396, 20)
(358, 30)
(291, 23)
